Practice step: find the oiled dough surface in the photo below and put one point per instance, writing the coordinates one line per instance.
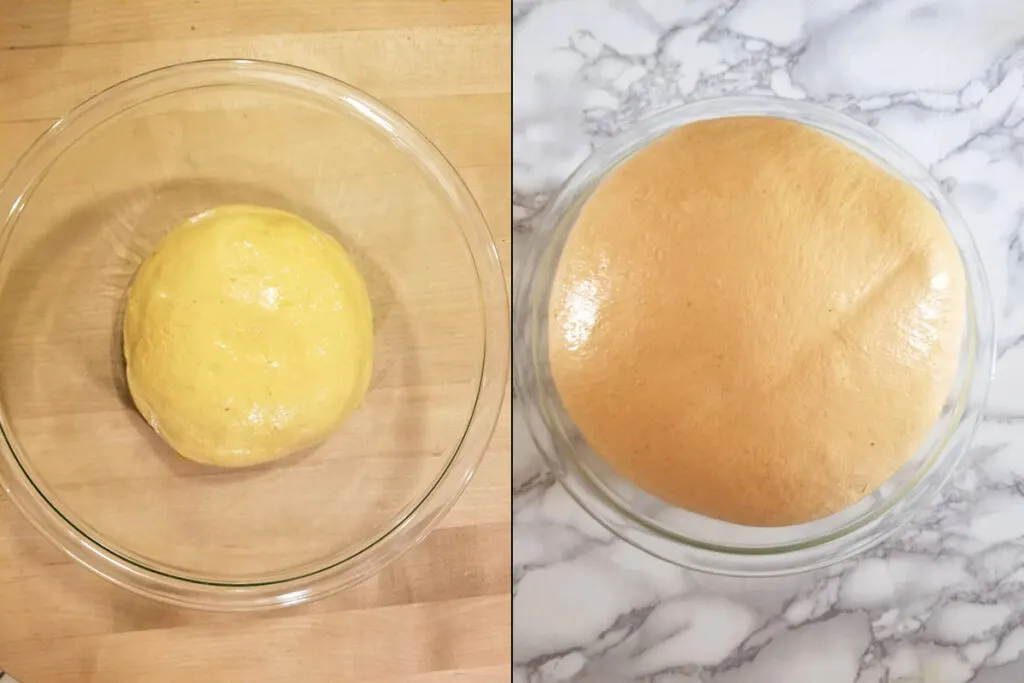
(752, 321)
(248, 335)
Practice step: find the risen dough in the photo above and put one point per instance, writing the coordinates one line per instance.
(754, 322)
(247, 336)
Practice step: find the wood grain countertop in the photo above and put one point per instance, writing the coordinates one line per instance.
(443, 611)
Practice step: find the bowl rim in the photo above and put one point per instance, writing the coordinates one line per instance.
(552, 226)
(412, 525)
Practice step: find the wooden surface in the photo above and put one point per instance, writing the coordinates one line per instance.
(441, 613)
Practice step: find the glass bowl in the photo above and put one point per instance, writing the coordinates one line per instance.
(87, 203)
(690, 539)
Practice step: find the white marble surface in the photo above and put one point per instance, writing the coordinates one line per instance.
(943, 601)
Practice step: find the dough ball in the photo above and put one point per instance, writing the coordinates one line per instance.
(247, 336)
(752, 321)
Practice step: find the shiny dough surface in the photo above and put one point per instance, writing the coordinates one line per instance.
(752, 321)
(248, 335)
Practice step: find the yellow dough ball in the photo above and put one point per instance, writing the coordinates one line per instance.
(248, 335)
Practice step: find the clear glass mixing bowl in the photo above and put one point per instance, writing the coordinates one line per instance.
(690, 539)
(86, 204)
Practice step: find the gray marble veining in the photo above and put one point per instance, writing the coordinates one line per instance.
(942, 601)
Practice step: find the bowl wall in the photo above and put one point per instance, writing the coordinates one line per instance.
(687, 538)
(88, 203)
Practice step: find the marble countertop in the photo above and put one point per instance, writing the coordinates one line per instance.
(943, 600)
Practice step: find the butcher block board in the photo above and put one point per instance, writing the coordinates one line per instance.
(443, 611)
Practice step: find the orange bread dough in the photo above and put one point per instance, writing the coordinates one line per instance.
(752, 321)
